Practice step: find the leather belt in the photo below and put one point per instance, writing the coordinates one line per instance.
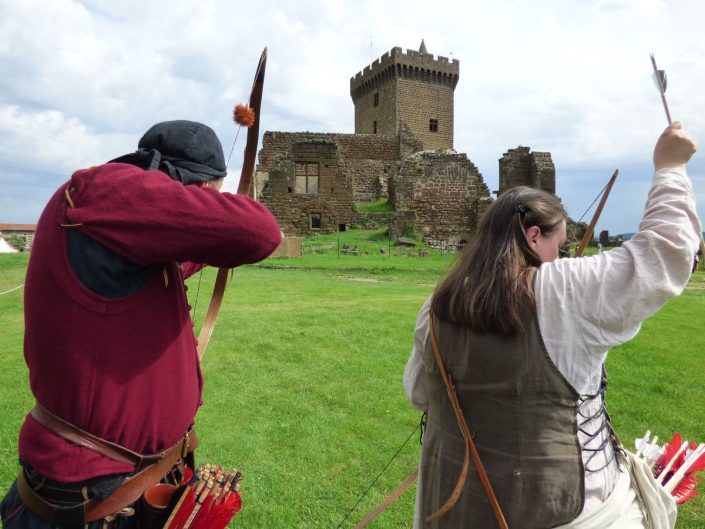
(150, 470)
(82, 438)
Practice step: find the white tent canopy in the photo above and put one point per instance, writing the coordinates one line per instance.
(5, 247)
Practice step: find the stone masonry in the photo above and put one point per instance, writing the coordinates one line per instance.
(302, 179)
(412, 88)
(26, 231)
(401, 151)
(443, 195)
(520, 167)
(354, 168)
(365, 158)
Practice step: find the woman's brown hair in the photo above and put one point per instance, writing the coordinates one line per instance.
(489, 289)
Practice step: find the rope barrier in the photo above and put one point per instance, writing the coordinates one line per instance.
(11, 290)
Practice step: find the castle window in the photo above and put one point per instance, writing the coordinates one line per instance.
(376, 99)
(433, 125)
(315, 221)
(306, 178)
(374, 127)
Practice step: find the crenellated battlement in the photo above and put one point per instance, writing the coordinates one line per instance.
(410, 64)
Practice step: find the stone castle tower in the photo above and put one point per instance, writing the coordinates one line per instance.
(404, 104)
(411, 88)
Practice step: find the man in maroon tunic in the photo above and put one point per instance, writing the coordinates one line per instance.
(108, 337)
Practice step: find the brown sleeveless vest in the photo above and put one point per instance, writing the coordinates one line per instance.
(522, 415)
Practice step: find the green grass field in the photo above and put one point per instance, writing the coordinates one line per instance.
(303, 380)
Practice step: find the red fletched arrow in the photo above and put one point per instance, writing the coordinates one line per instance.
(675, 469)
(685, 490)
(669, 455)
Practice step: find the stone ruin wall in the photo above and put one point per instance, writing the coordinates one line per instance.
(353, 168)
(366, 159)
(604, 238)
(441, 194)
(369, 178)
(293, 210)
(25, 231)
(520, 167)
(446, 194)
(543, 172)
(408, 142)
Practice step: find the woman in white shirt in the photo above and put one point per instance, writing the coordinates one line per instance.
(525, 336)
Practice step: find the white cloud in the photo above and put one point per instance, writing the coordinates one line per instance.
(48, 140)
(80, 81)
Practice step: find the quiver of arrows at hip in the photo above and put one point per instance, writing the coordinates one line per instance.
(674, 464)
(207, 499)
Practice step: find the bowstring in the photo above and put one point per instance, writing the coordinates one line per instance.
(379, 475)
(575, 226)
(200, 275)
(239, 128)
(227, 164)
(198, 290)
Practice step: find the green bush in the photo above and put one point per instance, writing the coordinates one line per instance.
(409, 230)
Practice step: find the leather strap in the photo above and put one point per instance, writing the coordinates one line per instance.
(470, 449)
(150, 469)
(126, 494)
(82, 438)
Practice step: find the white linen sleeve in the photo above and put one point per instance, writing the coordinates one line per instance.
(610, 294)
(414, 372)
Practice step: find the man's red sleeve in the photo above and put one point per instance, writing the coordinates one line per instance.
(149, 218)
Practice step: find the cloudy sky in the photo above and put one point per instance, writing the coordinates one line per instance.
(81, 80)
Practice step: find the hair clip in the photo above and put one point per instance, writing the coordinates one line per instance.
(522, 210)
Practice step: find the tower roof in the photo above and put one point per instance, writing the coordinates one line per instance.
(422, 48)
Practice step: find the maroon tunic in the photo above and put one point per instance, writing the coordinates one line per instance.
(125, 368)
